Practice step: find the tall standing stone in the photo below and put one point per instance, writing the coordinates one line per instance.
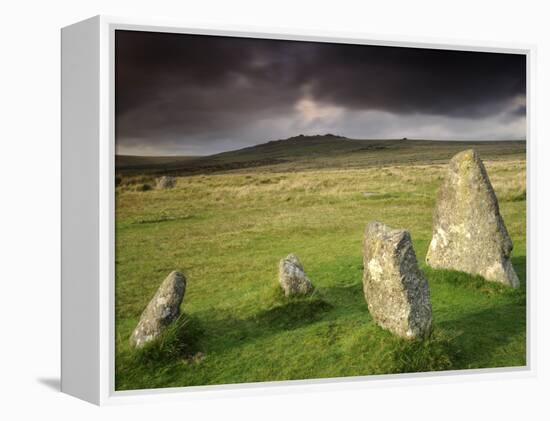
(469, 234)
(293, 278)
(396, 290)
(162, 310)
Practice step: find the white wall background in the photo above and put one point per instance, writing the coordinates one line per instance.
(29, 209)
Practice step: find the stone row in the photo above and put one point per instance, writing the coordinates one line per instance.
(469, 235)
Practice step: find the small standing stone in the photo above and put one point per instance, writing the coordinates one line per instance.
(396, 290)
(469, 234)
(292, 277)
(162, 310)
(166, 182)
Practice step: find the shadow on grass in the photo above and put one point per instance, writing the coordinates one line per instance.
(497, 326)
(466, 281)
(219, 331)
(479, 335)
(347, 296)
(492, 337)
(292, 314)
(489, 335)
(520, 264)
(188, 345)
(281, 314)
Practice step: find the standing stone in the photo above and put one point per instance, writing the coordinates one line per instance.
(396, 291)
(469, 234)
(162, 310)
(292, 277)
(166, 182)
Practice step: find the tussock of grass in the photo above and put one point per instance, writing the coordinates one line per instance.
(177, 342)
(438, 353)
(142, 187)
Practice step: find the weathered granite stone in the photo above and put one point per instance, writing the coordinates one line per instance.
(396, 290)
(292, 277)
(162, 310)
(469, 234)
(166, 182)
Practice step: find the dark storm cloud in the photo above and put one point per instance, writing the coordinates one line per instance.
(191, 94)
(201, 84)
(407, 80)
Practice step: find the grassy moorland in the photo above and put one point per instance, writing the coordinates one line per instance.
(226, 227)
(301, 153)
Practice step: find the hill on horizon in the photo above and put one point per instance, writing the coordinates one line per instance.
(315, 151)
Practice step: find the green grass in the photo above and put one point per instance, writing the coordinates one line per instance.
(227, 232)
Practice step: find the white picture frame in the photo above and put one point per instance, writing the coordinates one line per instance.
(88, 215)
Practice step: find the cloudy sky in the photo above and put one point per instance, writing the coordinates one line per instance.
(196, 95)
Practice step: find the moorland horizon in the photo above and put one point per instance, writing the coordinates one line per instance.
(410, 139)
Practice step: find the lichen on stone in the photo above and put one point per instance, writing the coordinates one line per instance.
(292, 277)
(396, 290)
(162, 310)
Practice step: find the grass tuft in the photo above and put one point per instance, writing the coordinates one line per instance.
(143, 187)
(179, 341)
(438, 353)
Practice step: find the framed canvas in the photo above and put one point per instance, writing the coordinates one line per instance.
(246, 210)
